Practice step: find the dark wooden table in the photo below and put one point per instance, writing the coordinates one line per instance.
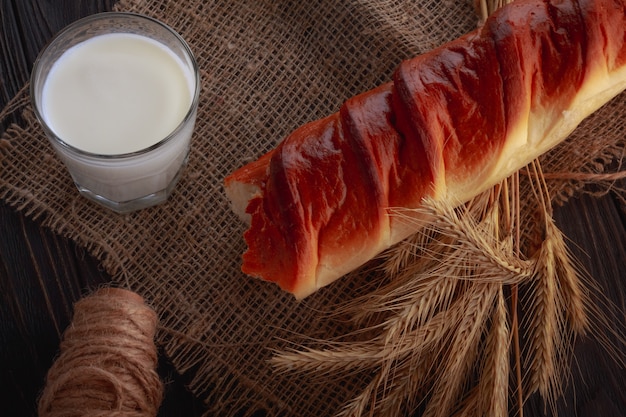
(42, 274)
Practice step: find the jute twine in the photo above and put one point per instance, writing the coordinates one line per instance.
(107, 361)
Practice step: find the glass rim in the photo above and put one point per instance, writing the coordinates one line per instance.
(101, 16)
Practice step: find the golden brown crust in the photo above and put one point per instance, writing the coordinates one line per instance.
(452, 123)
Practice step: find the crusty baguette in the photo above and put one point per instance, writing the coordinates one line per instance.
(451, 123)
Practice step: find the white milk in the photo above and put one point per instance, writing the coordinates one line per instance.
(116, 94)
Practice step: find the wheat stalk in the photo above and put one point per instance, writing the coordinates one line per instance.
(400, 338)
(493, 387)
(545, 327)
(474, 241)
(575, 293)
(491, 394)
(462, 353)
(484, 8)
(362, 402)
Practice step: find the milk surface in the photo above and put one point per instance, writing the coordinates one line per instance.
(116, 93)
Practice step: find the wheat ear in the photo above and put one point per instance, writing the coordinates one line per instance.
(549, 334)
(493, 386)
(576, 295)
(462, 352)
(342, 357)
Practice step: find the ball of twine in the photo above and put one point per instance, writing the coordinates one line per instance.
(107, 360)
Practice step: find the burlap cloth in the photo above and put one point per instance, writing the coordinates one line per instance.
(267, 67)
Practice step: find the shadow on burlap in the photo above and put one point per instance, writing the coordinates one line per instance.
(267, 67)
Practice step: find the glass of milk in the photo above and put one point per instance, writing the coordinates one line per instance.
(117, 96)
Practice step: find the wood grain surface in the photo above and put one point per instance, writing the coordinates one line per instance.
(42, 274)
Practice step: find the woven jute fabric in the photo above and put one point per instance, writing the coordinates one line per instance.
(267, 67)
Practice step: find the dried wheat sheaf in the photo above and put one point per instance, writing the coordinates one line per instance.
(480, 310)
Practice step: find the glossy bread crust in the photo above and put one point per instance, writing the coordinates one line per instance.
(451, 123)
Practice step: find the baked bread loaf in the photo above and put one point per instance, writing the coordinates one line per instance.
(451, 123)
